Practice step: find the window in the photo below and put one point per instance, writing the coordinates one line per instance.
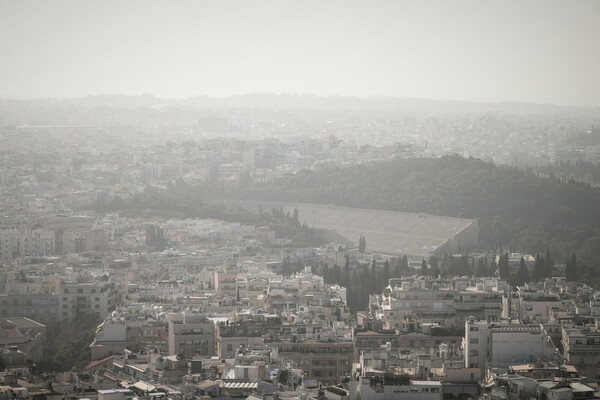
(229, 347)
(474, 341)
(79, 291)
(473, 329)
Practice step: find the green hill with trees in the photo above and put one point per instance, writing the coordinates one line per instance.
(515, 208)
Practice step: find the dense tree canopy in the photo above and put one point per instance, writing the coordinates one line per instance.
(68, 344)
(514, 207)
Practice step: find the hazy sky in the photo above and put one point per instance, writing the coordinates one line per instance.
(534, 51)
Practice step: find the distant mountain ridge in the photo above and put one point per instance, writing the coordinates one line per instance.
(312, 102)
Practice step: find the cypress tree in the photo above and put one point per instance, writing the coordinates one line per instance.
(538, 273)
(549, 264)
(571, 273)
(337, 274)
(346, 277)
(396, 271)
(423, 267)
(523, 275)
(373, 286)
(325, 273)
(464, 265)
(503, 266)
(433, 263)
(386, 273)
(482, 268)
(434, 271)
(362, 244)
(493, 267)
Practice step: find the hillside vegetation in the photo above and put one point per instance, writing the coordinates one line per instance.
(515, 208)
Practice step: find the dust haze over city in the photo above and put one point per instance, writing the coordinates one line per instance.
(343, 200)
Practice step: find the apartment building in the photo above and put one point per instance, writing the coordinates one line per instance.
(323, 359)
(190, 334)
(581, 347)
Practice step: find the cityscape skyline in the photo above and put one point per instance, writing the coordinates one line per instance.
(309, 200)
